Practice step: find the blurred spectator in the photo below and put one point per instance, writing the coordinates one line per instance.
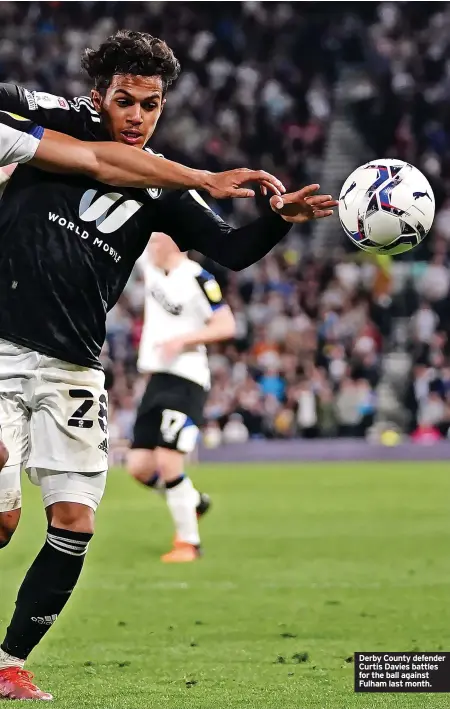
(256, 89)
(424, 323)
(235, 430)
(434, 284)
(307, 413)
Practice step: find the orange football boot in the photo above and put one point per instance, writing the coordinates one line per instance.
(15, 683)
(182, 552)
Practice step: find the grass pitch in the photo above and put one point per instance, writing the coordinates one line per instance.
(304, 565)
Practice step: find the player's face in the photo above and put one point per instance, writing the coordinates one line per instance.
(130, 108)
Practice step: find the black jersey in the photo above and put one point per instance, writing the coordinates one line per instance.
(68, 243)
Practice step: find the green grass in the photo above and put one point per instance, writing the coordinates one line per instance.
(344, 558)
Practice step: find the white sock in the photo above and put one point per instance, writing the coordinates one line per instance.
(159, 487)
(196, 496)
(182, 501)
(9, 660)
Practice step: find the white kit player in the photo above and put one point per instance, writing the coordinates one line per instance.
(184, 311)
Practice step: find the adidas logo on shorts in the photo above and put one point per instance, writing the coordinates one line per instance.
(45, 620)
(104, 446)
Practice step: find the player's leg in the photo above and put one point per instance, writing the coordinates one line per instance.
(70, 499)
(141, 465)
(10, 501)
(141, 462)
(182, 501)
(16, 374)
(147, 455)
(177, 437)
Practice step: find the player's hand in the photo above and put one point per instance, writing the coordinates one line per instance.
(232, 183)
(304, 205)
(171, 348)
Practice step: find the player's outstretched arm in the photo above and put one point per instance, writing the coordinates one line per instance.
(193, 225)
(22, 141)
(120, 165)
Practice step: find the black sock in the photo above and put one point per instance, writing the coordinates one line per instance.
(153, 482)
(174, 483)
(45, 589)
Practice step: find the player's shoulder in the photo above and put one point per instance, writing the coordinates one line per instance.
(81, 105)
(76, 116)
(207, 283)
(84, 106)
(197, 272)
(192, 268)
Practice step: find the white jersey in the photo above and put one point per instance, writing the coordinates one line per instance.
(17, 146)
(176, 303)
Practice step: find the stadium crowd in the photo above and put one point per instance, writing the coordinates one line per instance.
(311, 333)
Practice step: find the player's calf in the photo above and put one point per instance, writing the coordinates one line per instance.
(182, 498)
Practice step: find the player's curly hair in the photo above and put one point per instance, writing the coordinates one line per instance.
(129, 52)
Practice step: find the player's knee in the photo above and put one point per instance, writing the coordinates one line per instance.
(8, 525)
(141, 464)
(170, 463)
(71, 515)
(4, 455)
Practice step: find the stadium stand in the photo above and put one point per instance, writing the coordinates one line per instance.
(329, 342)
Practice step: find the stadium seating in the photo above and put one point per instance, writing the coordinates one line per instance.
(326, 345)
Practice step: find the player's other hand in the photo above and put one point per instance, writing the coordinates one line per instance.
(232, 183)
(171, 348)
(304, 205)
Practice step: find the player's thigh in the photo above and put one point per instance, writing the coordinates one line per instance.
(178, 431)
(68, 429)
(69, 492)
(178, 435)
(146, 431)
(141, 463)
(165, 428)
(170, 463)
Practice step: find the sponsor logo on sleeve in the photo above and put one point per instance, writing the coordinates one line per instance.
(50, 101)
(32, 105)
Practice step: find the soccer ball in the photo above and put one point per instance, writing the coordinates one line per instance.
(386, 207)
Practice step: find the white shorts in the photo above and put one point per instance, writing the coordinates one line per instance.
(53, 420)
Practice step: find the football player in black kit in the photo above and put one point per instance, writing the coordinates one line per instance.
(67, 246)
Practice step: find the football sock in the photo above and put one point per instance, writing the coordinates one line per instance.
(154, 481)
(182, 499)
(157, 484)
(45, 590)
